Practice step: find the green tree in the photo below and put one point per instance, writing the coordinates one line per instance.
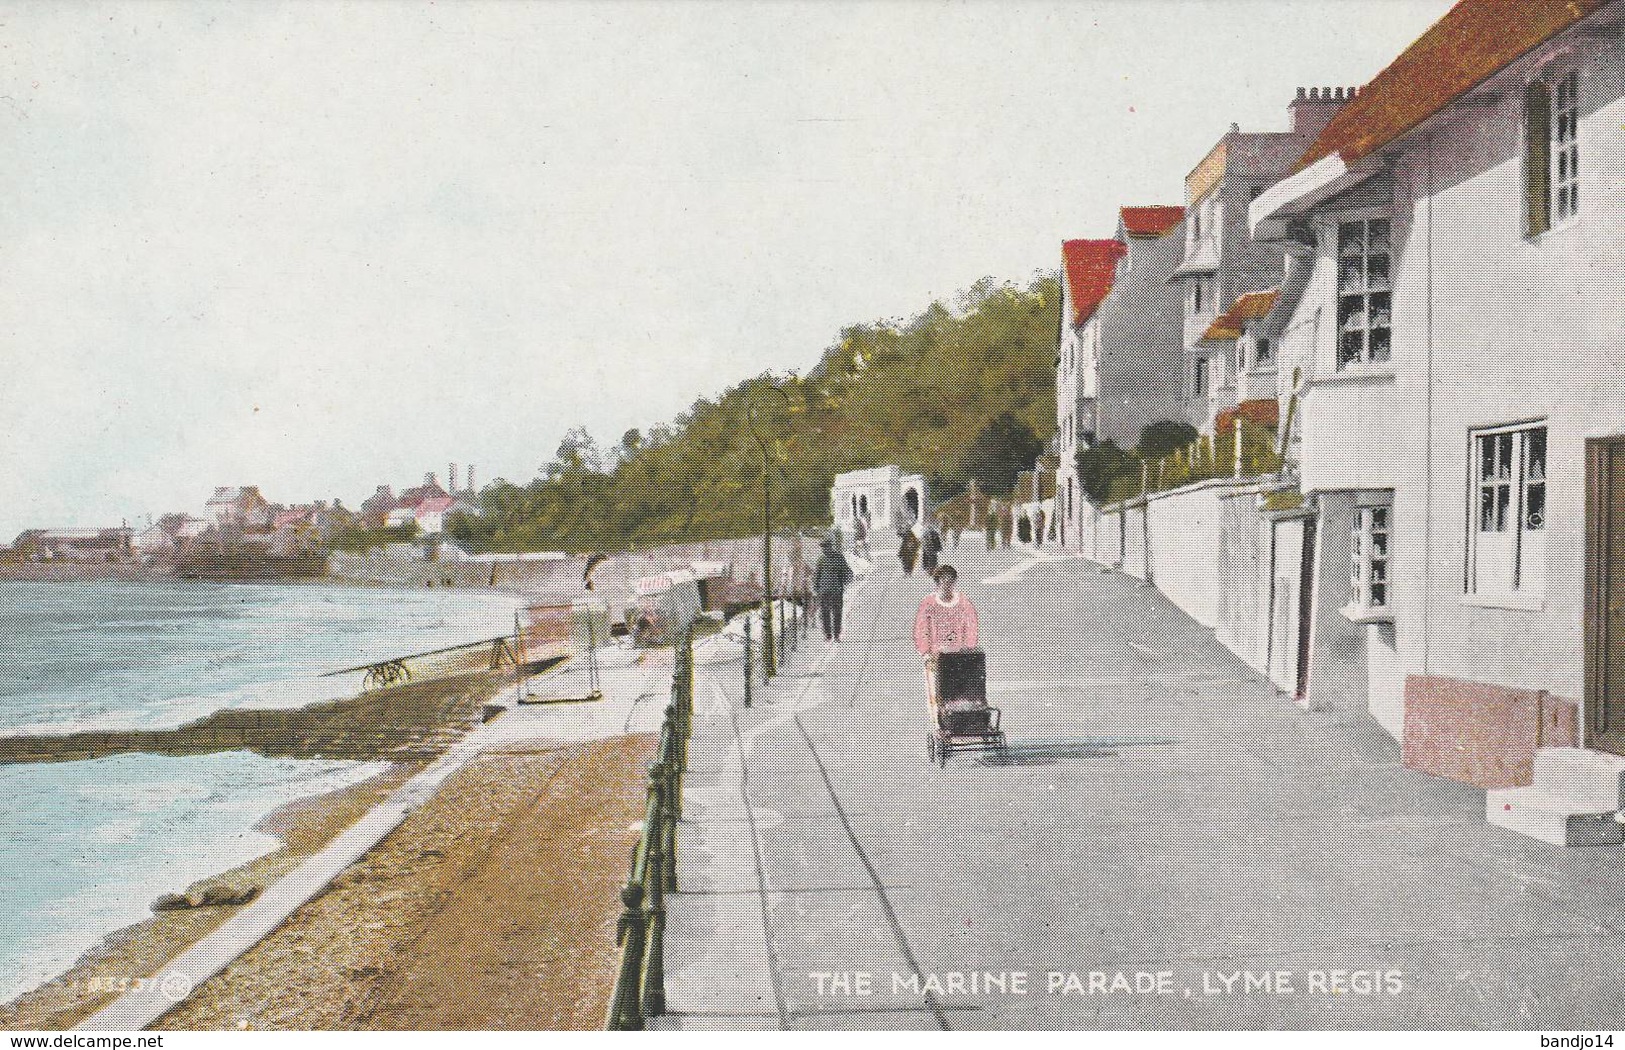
(1004, 447)
(1162, 437)
(1099, 466)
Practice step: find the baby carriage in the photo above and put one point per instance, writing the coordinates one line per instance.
(964, 720)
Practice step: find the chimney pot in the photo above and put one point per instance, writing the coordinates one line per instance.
(1301, 94)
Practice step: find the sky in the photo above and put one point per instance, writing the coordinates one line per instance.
(324, 247)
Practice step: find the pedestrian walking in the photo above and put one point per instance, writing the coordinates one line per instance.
(958, 531)
(908, 549)
(990, 524)
(860, 536)
(830, 578)
(930, 547)
(1007, 525)
(1038, 528)
(944, 623)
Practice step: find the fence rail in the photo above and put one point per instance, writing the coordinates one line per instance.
(640, 982)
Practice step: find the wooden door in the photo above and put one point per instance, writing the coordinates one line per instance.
(1605, 594)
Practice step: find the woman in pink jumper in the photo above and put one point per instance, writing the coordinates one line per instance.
(945, 623)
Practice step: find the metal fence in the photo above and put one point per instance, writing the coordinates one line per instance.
(640, 983)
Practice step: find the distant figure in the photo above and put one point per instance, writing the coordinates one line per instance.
(945, 623)
(1007, 525)
(1038, 528)
(829, 584)
(958, 530)
(908, 549)
(860, 537)
(930, 547)
(990, 524)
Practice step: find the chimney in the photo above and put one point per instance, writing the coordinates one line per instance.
(470, 478)
(1315, 107)
(451, 477)
(428, 479)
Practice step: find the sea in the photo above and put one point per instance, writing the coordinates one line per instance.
(86, 846)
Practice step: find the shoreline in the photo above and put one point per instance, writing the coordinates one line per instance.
(406, 726)
(112, 965)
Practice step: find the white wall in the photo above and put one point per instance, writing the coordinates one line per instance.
(1184, 527)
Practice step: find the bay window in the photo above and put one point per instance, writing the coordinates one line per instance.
(1364, 292)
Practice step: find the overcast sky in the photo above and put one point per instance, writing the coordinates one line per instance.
(319, 247)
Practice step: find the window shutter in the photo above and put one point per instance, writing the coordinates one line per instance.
(1537, 112)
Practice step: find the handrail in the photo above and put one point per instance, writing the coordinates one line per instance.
(640, 981)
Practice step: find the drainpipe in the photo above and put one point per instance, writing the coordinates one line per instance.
(1427, 423)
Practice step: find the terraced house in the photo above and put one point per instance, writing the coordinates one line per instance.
(1457, 343)
(1119, 355)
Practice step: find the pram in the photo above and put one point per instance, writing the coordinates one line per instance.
(964, 720)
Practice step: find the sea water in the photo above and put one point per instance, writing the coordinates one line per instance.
(86, 846)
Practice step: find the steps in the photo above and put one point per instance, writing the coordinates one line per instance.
(1572, 801)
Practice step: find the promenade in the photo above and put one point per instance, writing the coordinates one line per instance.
(1174, 845)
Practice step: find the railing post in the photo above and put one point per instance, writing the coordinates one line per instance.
(653, 1003)
(749, 672)
(626, 1009)
(673, 813)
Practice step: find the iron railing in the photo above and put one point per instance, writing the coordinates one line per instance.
(640, 983)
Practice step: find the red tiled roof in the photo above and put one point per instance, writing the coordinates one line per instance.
(1265, 413)
(1091, 267)
(435, 505)
(1249, 307)
(1152, 220)
(1473, 40)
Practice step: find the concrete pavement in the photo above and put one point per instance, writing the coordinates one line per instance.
(1173, 846)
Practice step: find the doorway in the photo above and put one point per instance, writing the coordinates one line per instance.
(1605, 594)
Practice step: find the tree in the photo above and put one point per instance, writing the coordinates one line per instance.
(1163, 437)
(1004, 447)
(1100, 465)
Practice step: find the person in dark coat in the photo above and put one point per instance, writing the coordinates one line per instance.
(930, 547)
(830, 578)
(908, 549)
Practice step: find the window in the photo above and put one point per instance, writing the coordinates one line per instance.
(1201, 295)
(1199, 380)
(1566, 148)
(1370, 576)
(1263, 353)
(1552, 152)
(1364, 292)
(1506, 544)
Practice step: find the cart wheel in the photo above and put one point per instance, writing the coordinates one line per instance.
(942, 755)
(931, 750)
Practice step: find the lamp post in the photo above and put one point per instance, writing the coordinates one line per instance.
(769, 656)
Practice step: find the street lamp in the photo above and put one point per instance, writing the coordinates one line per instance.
(769, 655)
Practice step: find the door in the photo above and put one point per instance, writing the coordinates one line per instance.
(1605, 594)
(1306, 608)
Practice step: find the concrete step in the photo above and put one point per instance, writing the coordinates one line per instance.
(1551, 818)
(1593, 779)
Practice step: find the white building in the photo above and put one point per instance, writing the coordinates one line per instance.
(886, 498)
(1458, 345)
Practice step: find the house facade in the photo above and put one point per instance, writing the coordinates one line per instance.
(1222, 262)
(1120, 353)
(1459, 432)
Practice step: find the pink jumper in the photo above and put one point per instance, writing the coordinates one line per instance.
(944, 627)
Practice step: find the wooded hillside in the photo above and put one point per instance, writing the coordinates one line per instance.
(926, 394)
